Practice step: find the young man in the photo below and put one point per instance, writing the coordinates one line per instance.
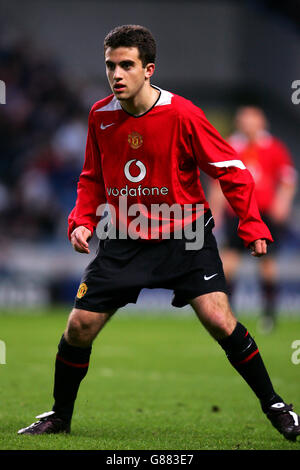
(271, 166)
(146, 145)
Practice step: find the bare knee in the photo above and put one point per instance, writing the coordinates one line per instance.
(83, 327)
(221, 325)
(214, 312)
(77, 331)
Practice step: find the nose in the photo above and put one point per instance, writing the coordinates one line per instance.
(117, 73)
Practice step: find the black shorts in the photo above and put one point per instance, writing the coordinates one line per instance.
(233, 241)
(122, 268)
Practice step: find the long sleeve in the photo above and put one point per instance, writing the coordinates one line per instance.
(218, 159)
(90, 188)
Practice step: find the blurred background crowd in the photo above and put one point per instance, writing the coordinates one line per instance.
(220, 54)
(43, 132)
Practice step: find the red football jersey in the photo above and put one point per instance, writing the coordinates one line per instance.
(156, 158)
(268, 161)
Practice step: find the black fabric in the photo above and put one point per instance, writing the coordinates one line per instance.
(243, 354)
(239, 345)
(73, 353)
(71, 367)
(122, 268)
(233, 241)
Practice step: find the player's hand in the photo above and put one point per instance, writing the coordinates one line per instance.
(79, 239)
(258, 247)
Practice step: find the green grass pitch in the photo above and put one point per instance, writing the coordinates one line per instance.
(155, 382)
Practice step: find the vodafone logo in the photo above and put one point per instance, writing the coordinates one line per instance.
(135, 171)
(140, 165)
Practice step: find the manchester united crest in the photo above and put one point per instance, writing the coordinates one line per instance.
(81, 290)
(135, 140)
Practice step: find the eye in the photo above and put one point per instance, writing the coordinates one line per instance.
(127, 65)
(110, 65)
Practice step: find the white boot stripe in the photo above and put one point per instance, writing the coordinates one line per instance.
(295, 417)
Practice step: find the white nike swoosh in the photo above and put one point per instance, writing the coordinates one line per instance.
(107, 125)
(207, 278)
(208, 221)
(295, 417)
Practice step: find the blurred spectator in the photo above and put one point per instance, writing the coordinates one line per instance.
(43, 128)
(69, 140)
(271, 166)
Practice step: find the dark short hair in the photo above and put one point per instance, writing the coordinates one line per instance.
(131, 35)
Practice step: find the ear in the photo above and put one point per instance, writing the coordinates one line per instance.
(149, 70)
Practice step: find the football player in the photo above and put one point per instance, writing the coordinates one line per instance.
(142, 137)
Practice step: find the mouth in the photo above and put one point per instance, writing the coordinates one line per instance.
(118, 87)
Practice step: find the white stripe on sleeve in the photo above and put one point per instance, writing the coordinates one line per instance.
(237, 163)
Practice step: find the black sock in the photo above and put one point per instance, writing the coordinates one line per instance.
(71, 366)
(243, 354)
(269, 291)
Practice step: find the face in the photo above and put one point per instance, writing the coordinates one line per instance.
(125, 72)
(251, 121)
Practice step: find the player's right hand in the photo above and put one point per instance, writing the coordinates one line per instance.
(79, 239)
(259, 247)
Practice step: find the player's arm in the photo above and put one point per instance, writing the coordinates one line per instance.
(282, 205)
(218, 159)
(286, 185)
(90, 194)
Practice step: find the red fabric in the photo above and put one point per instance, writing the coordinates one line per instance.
(173, 141)
(269, 162)
(72, 364)
(90, 188)
(248, 358)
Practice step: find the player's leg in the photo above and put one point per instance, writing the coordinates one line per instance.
(231, 259)
(213, 310)
(269, 286)
(83, 326)
(71, 366)
(72, 360)
(105, 287)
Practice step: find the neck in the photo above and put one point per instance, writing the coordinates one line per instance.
(253, 137)
(141, 102)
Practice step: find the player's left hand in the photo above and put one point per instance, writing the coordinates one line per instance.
(258, 247)
(79, 239)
